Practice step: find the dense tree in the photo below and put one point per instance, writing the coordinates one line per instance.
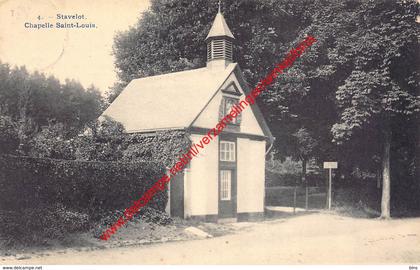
(8, 135)
(372, 53)
(305, 150)
(32, 101)
(170, 37)
(359, 82)
(52, 142)
(380, 95)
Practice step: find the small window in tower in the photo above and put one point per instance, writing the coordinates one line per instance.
(218, 49)
(228, 50)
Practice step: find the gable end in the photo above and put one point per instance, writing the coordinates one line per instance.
(255, 109)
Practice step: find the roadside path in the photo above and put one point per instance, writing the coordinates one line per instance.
(309, 239)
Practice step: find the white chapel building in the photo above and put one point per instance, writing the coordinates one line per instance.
(227, 179)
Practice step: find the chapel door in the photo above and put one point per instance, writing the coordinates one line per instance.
(227, 179)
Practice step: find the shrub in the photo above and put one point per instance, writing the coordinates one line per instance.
(52, 142)
(164, 146)
(154, 216)
(275, 179)
(82, 185)
(38, 225)
(146, 214)
(8, 135)
(31, 188)
(278, 179)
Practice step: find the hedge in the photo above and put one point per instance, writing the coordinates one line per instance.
(275, 179)
(91, 187)
(42, 199)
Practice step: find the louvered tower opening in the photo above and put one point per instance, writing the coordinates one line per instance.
(220, 49)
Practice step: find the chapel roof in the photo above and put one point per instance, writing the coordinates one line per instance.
(168, 101)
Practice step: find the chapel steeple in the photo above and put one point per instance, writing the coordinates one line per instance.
(219, 43)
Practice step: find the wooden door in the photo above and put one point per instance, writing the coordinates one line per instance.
(177, 195)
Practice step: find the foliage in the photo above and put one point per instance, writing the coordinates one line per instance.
(274, 179)
(51, 142)
(37, 225)
(288, 166)
(379, 93)
(384, 78)
(103, 140)
(91, 187)
(146, 214)
(154, 216)
(358, 84)
(106, 140)
(33, 101)
(289, 173)
(305, 144)
(164, 146)
(8, 135)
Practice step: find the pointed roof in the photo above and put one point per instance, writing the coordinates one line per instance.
(219, 28)
(168, 101)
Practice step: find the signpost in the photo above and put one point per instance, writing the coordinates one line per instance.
(330, 165)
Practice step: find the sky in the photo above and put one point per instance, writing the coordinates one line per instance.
(83, 54)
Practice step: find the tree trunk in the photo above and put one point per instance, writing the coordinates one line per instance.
(304, 181)
(294, 198)
(386, 178)
(23, 111)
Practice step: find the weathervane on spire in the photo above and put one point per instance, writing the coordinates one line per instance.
(220, 4)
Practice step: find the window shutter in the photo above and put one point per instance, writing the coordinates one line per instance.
(239, 116)
(222, 109)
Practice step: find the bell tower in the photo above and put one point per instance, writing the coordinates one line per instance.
(219, 43)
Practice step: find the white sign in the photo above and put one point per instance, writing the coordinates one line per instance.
(330, 165)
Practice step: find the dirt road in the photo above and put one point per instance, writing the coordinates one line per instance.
(310, 239)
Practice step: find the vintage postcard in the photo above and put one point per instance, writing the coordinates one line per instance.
(209, 132)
